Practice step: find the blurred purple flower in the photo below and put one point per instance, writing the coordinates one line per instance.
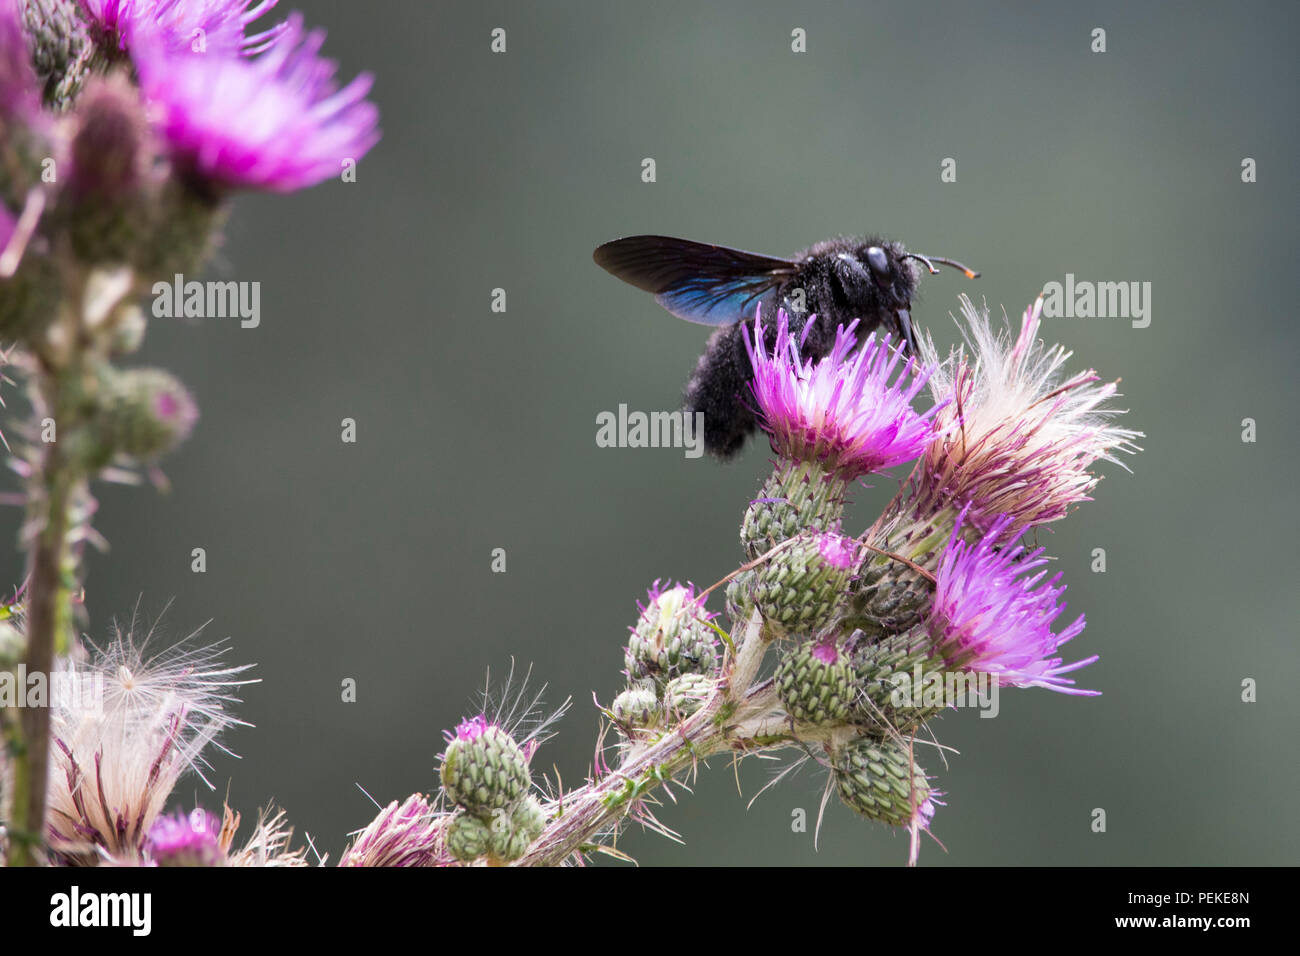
(988, 617)
(841, 411)
(19, 90)
(198, 26)
(276, 122)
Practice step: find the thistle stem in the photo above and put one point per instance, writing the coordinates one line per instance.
(586, 811)
(52, 572)
(56, 491)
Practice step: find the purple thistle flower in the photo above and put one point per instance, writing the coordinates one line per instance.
(1015, 437)
(276, 122)
(673, 600)
(199, 26)
(841, 411)
(989, 617)
(837, 550)
(186, 840)
(469, 729)
(405, 834)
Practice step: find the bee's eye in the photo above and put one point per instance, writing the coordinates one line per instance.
(878, 261)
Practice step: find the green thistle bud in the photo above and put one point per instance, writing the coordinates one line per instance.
(508, 843)
(145, 413)
(878, 780)
(671, 638)
(796, 496)
(638, 707)
(740, 596)
(483, 769)
(529, 818)
(884, 673)
(686, 694)
(815, 684)
(888, 596)
(804, 586)
(468, 837)
(57, 38)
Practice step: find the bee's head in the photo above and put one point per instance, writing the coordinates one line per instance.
(894, 272)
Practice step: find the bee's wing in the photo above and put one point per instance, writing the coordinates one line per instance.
(695, 281)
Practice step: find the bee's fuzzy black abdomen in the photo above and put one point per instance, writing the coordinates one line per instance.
(719, 389)
(720, 385)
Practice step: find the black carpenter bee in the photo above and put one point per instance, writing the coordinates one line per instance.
(870, 279)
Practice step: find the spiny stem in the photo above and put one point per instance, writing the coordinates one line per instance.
(588, 810)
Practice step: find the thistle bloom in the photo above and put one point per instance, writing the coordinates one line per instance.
(989, 617)
(276, 122)
(406, 834)
(841, 411)
(192, 839)
(1014, 438)
(124, 730)
(200, 26)
(837, 550)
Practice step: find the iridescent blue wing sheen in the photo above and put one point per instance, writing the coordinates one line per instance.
(696, 281)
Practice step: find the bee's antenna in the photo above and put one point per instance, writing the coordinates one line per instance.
(928, 264)
(931, 260)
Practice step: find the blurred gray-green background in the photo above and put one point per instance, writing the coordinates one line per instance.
(476, 430)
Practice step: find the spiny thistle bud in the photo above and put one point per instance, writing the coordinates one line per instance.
(803, 586)
(815, 683)
(638, 706)
(186, 840)
(105, 207)
(483, 769)
(879, 780)
(512, 835)
(671, 638)
(468, 837)
(740, 596)
(146, 413)
(885, 677)
(889, 596)
(529, 817)
(58, 38)
(796, 496)
(685, 695)
(508, 844)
